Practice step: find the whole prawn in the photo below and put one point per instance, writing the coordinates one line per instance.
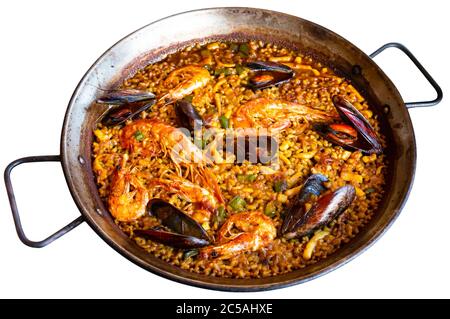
(152, 137)
(203, 200)
(192, 78)
(275, 115)
(128, 197)
(255, 230)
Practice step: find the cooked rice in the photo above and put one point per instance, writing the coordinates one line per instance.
(302, 153)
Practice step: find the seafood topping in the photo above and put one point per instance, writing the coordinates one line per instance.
(327, 208)
(153, 137)
(187, 115)
(119, 114)
(158, 138)
(171, 239)
(276, 115)
(268, 66)
(312, 186)
(355, 133)
(245, 231)
(126, 105)
(175, 219)
(128, 197)
(184, 80)
(205, 202)
(347, 111)
(187, 232)
(119, 97)
(267, 74)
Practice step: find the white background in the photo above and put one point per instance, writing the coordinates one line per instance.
(46, 47)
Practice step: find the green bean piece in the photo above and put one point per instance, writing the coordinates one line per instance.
(280, 186)
(224, 121)
(240, 69)
(234, 47)
(244, 49)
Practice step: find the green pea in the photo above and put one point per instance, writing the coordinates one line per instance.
(139, 136)
(270, 209)
(238, 203)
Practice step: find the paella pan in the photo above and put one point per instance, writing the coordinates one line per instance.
(320, 184)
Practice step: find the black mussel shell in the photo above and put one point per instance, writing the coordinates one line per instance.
(118, 97)
(343, 135)
(268, 66)
(352, 116)
(187, 233)
(327, 208)
(267, 74)
(121, 113)
(312, 186)
(172, 239)
(267, 79)
(187, 115)
(176, 220)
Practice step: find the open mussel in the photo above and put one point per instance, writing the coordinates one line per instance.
(119, 97)
(172, 239)
(126, 104)
(327, 207)
(268, 66)
(293, 217)
(267, 74)
(121, 113)
(187, 115)
(187, 233)
(354, 133)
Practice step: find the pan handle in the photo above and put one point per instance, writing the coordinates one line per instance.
(421, 69)
(15, 212)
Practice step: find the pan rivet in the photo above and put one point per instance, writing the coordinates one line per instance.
(356, 69)
(386, 109)
(81, 160)
(99, 211)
